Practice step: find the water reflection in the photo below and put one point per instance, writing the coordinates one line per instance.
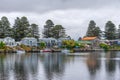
(33, 66)
(110, 62)
(93, 63)
(54, 64)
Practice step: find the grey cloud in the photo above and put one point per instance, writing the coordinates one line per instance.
(48, 5)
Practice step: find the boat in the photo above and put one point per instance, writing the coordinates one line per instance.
(65, 51)
(46, 50)
(56, 50)
(20, 51)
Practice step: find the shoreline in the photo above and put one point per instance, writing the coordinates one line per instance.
(38, 51)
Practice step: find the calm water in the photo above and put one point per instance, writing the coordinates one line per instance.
(94, 66)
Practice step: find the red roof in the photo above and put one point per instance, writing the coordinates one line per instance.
(88, 38)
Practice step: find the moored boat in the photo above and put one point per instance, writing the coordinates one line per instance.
(65, 51)
(20, 51)
(46, 50)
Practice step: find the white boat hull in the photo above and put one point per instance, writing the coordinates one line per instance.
(20, 51)
(65, 51)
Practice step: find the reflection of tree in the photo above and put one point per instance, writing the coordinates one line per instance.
(54, 64)
(2, 73)
(19, 65)
(26, 65)
(110, 63)
(20, 71)
(93, 63)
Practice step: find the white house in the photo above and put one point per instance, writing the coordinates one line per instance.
(29, 41)
(49, 41)
(9, 41)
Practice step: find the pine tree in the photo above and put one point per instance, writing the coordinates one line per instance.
(110, 30)
(21, 28)
(5, 29)
(118, 35)
(93, 30)
(48, 29)
(58, 31)
(35, 30)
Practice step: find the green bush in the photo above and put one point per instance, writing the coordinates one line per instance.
(104, 46)
(2, 45)
(42, 45)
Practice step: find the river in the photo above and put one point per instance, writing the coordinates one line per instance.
(56, 66)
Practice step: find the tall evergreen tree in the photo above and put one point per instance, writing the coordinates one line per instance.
(93, 30)
(97, 32)
(110, 30)
(1, 30)
(16, 29)
(58, 31)
(5, 29)
(48, 29)
(21, 28)
(35, 30)
(118, 35)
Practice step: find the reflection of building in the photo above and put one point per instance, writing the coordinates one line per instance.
(54, 64)
(18, 67)
(92, 63)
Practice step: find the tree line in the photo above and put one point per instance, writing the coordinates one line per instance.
(22, 28)
(110, 31)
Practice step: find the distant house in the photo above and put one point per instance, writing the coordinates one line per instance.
(94, 40)
(103, 35)
(1, 40)
(29, 41)
(9, 41)
(50, 42)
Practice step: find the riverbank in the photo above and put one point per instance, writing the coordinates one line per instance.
(37, 50)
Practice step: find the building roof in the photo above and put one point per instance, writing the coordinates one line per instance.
(88, 38)
(83, 42)
(29, 38)
(47, 39)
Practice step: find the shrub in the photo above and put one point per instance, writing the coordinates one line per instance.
(104, 46)
(2, 45)
(42, 45)
(69, 44)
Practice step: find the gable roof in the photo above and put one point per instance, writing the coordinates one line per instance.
(88, 38)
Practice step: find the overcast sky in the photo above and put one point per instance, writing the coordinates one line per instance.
(74, 15)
